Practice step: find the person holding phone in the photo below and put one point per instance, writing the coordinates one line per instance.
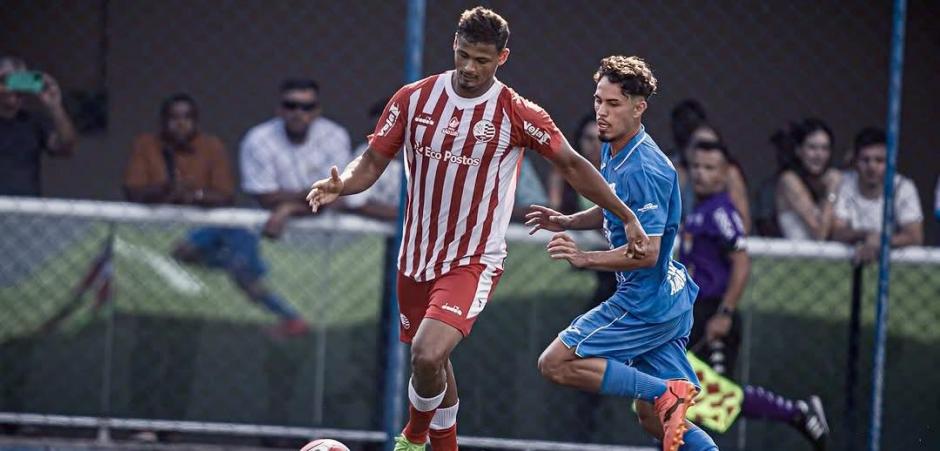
(25, 135)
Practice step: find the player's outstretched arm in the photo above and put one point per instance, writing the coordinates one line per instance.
(584, 178)
(539, 217)
(357, 177)
(563, 247)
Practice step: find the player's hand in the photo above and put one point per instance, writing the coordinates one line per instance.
(867, 251)
(563, 247)
(718, 326)
(544, 218)
(325, 191)
(637, 241)
(51, 95)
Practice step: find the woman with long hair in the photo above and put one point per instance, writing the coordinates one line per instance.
(806, 189)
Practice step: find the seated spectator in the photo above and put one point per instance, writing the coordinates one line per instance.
(183, 165)
(561, 195)
(765, 204)
(713, 248)
(860, 201)
(25, 135)
(936, 200)
(381, 200)
(529, 190)
(282, 157)
(689, 124)
(806, 189)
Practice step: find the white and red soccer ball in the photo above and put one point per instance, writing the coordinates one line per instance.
(324, 444)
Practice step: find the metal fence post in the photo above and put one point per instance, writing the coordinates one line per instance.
(393, 404)
(893, 132)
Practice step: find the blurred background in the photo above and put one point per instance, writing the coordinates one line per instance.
(106, 319)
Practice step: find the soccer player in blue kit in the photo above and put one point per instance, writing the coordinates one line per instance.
(632, 344)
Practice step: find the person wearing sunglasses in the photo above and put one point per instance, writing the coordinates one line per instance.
(283, 156)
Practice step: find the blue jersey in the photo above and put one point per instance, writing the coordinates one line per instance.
(645, 179)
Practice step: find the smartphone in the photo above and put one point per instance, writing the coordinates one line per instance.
(25, 81)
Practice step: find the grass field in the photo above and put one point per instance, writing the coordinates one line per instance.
(195, 319)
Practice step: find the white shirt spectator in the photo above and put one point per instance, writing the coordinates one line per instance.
(861, 213)
(270, 162)
(385, 190)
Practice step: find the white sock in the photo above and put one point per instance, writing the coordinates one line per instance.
(424, 404)
(445, 417)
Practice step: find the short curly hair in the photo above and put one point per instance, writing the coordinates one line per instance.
(630, 72)
(483, 26)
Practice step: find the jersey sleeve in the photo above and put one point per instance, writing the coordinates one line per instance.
(730, 228)
(389, 134)
(533, 128)
(649, 197)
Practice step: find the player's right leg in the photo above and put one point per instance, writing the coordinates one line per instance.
(435, 316)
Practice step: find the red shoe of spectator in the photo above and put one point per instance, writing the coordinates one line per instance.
(290, 328)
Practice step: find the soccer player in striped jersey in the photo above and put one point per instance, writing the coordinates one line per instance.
(463, 133)
(632, 344)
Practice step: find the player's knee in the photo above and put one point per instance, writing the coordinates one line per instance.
(427, 360)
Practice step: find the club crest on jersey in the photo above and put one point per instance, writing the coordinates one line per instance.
(424, 119)
(540, 135)
(393, 112)
(452, 127)
(484, 131)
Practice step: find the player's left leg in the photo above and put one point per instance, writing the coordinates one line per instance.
(443, 432)
(668, 361)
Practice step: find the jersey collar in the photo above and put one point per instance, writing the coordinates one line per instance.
(464, 102)
(628, 149)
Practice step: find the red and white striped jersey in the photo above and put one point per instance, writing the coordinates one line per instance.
(462, 159)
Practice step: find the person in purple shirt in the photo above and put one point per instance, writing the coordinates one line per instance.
(714, 250)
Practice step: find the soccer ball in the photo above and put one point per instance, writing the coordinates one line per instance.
(324, 444)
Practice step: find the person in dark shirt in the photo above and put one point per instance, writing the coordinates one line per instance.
(25, 136)
(714, 249)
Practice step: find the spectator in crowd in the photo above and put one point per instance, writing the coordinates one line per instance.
(936, 201)
(381, 200)
(806, 190)
(282, 157)
(860, 201)
(25, 135)
(765, 204)
(561, 195)
(689, 124)
(713, 248)
(529, 190)
(185, 166)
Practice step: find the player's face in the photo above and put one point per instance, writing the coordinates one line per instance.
(298, 109)
(617, 114)
(870, 163)
(708, 171)
(815, 152)
(180, 123)
(475, 65)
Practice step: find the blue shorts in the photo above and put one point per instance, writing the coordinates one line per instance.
(609, 331)
(231, 249)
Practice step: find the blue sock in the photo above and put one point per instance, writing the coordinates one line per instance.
(623, 380)
(697, 440)
(278, 306)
